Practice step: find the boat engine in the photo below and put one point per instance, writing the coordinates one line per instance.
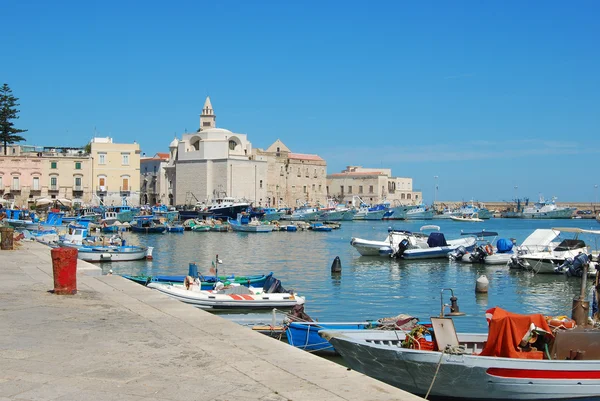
(574, 267)
(402, 246)
(458, 253)
(478, 255)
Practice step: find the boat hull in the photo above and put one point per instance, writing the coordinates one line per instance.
(467, 376)
(112, 253)
(305, 335)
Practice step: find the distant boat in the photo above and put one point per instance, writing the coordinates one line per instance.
(147, 224)
(243, 223)
(113, 253)
(419, 213)
(468, 218)
(543, 209)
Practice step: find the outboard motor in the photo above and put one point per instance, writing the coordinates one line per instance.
(579, 266)
(478, 255)
(458, 253)
(402, 246)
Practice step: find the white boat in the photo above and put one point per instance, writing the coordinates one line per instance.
(548, 259)
(222, 208)
(366, 212)
(468, 218)
(111, 253)
(485, 252)
(499, 365)
(244, 223)
(398, 212)
(385, 248)
(547, 210)
(436, 245)
(235, 298)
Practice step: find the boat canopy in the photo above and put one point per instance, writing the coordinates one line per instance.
(576, 230)
(541, 237)
(570, 244)
(482, 234)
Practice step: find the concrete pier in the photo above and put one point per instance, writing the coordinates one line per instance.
(117, 340)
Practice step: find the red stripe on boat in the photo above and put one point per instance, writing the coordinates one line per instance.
(236, 297)
(247, 297)
(544, 374)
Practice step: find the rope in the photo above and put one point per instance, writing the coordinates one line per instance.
(450, 349)
(437, 369)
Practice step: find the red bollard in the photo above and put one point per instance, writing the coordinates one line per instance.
(64, 267)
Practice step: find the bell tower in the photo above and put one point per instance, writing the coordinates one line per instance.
(207, 118)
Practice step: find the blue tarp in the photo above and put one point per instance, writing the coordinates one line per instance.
(436, 239)
(504, 245)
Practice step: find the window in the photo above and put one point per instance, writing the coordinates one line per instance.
(304, 189)
(77, 165)
(407, 196)
(52, 165)
(125, 159)
(313, 187)
(360, 189)
(370, 189)
(206, 124)
(293, 188)
(101, 158)
(102, 183)
(1, 184)
(281, 171)
(125, 183)
(260, 185)
(53, 183)
(307, 173)
(319, 188)
(416, 196)
(349, 189)
(36, 184)
(315, 173)
(16, 184)
(299, 172)
(232, 145)
(154, 169)
(403, 196)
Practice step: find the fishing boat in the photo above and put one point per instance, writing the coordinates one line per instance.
(243, 223)
(271, 214)
(233, 298)
(112, 253)
(147, 224)
(320, 227)
(175, 227)
(467, 218)
(376, 212)
(519, 358)
(543, 209)
(305, 335)
(200, 226)
(305, 213)
(436, 245)
(419, 213)
(222, 208)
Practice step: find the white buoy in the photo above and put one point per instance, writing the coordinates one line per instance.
(482, 283)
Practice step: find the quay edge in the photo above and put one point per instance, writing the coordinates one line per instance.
(116, 339)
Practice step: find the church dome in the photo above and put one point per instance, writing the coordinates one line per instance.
(221, 131)
(174, 143)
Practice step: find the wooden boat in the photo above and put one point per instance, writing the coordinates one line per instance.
(235, 298)
(114, 253)
(206, 282)
(147, 224)
(243, 223)
(175, 227)
(305, 335)
(501, 365)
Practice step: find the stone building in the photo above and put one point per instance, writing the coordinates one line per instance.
(294, 178)
(28, 173)
(372, 185)
(153, 180)
(213, 163)
(115, 172)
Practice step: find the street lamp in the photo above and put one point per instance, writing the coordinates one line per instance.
(435, 188)
(516, 196)
(596, 203)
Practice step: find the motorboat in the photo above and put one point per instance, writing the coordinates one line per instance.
(419, 213)
(206, 282)
(222, 208)
(518, 359)
(112, 253)
(435, 246)
(244, 223)
(467, 218)
(318, 226)
(485, 252)
(148, 224)
(386, 246)
(548, 258)
(543, 209)
(236, 297)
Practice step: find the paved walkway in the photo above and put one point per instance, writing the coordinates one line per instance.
(117, 340)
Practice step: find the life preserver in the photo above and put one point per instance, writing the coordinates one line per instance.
(187, 282)
(560, 322)
(488, 249)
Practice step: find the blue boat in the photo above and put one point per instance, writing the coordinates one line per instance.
(305, 335)
(147, 224)
(207, 282)
(320, 227)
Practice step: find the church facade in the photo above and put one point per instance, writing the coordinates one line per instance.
(214, 163)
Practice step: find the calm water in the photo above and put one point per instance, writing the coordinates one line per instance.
(368, 287)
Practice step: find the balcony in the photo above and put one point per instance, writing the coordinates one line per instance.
(15, 188)
(77, 190)
(53, 189)
(35, 192)
(101, 189)
(124, 191)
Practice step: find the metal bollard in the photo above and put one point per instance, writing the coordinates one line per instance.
(64, 268)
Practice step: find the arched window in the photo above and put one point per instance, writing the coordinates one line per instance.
(402, 196)
(407, 196)
(232, 145)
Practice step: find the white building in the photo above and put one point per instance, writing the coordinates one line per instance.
(214, 162)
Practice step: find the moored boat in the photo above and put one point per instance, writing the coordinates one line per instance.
(206, 282)
(114, 253)
(243, 223)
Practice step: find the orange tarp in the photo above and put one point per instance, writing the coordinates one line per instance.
(506, 332)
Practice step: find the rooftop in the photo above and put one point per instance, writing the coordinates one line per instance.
(302, 156)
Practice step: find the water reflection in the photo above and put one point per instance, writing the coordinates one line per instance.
(367, 287)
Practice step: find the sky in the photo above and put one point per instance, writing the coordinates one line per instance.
(496, 99)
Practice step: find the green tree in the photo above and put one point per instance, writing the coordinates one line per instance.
(8, 112)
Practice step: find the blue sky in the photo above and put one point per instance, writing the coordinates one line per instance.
(485, 95)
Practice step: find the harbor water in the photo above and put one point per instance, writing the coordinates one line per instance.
(368, 288)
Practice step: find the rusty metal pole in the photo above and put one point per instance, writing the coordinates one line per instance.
(581, 307)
